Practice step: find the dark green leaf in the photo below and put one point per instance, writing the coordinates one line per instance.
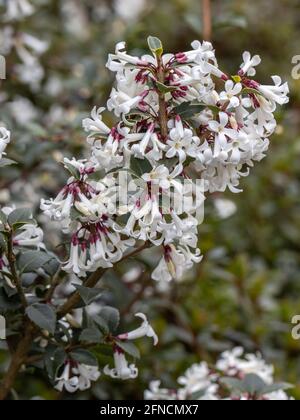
(43, 316)
(20, 216)
(91, 335)
(165, 89)
(87, 294)
(73, 171)
(6, 162)
(111, 317)
(84, 356)
(140, 166)
(30, 261)
(129, 348)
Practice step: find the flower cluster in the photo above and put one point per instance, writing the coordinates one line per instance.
(77, 376)
(27, 46)
(177, 139)
(236, 376)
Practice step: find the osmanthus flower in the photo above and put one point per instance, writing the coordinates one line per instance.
(230, 95)
(175, 262)
(122, 369)
(224, 134)
(76, 377)
(28, 47)
(176, 126)
(228, 379)
(77, 191)
(4, 140)
(156, 393)
(145, 330)
(96, 245)
(18, 9)
(28, 235)
(95, 124)
(248, 66)
(198, 378)
(236, 363)
(182, 142)
(31, 236)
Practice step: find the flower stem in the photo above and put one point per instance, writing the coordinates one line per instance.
(163, 112)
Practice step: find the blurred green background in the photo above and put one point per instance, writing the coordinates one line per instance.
(247, 289)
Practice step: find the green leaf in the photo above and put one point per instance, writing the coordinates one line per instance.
(43, 316)
(3, 217)
(233, 383)
(54, 359)
(155, 45)
(102, 324)
(111, 316)
(276, 387)
(165, 89)
(73, 171)
(188, 109)
(6, 162)
(84, 356)
(20, 217)
(52, 266)
(87, 294)
(30, 261)
(91, 335)
(140, 166)
(129, 348)
(253, 384)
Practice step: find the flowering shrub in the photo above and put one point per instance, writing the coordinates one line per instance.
(186, 129)
(234, 377)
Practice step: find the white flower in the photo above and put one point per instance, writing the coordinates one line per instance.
(145, 330)
(4, 140)
(230, 94)
(95, 125)
(31, 236)
(277, 93)
(76, 376)
(249, 64)
(18, 9)
(182, 142)
(196, 378)
(175, 263)
(129, 10)
(117, 61)
(157, 393)
(235, 363)
(121, 370)
(224, 134)
(225, 208)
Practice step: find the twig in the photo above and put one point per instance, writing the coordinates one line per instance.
(207, 20)
(12, 265)
(18, 358)
(94, 278)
